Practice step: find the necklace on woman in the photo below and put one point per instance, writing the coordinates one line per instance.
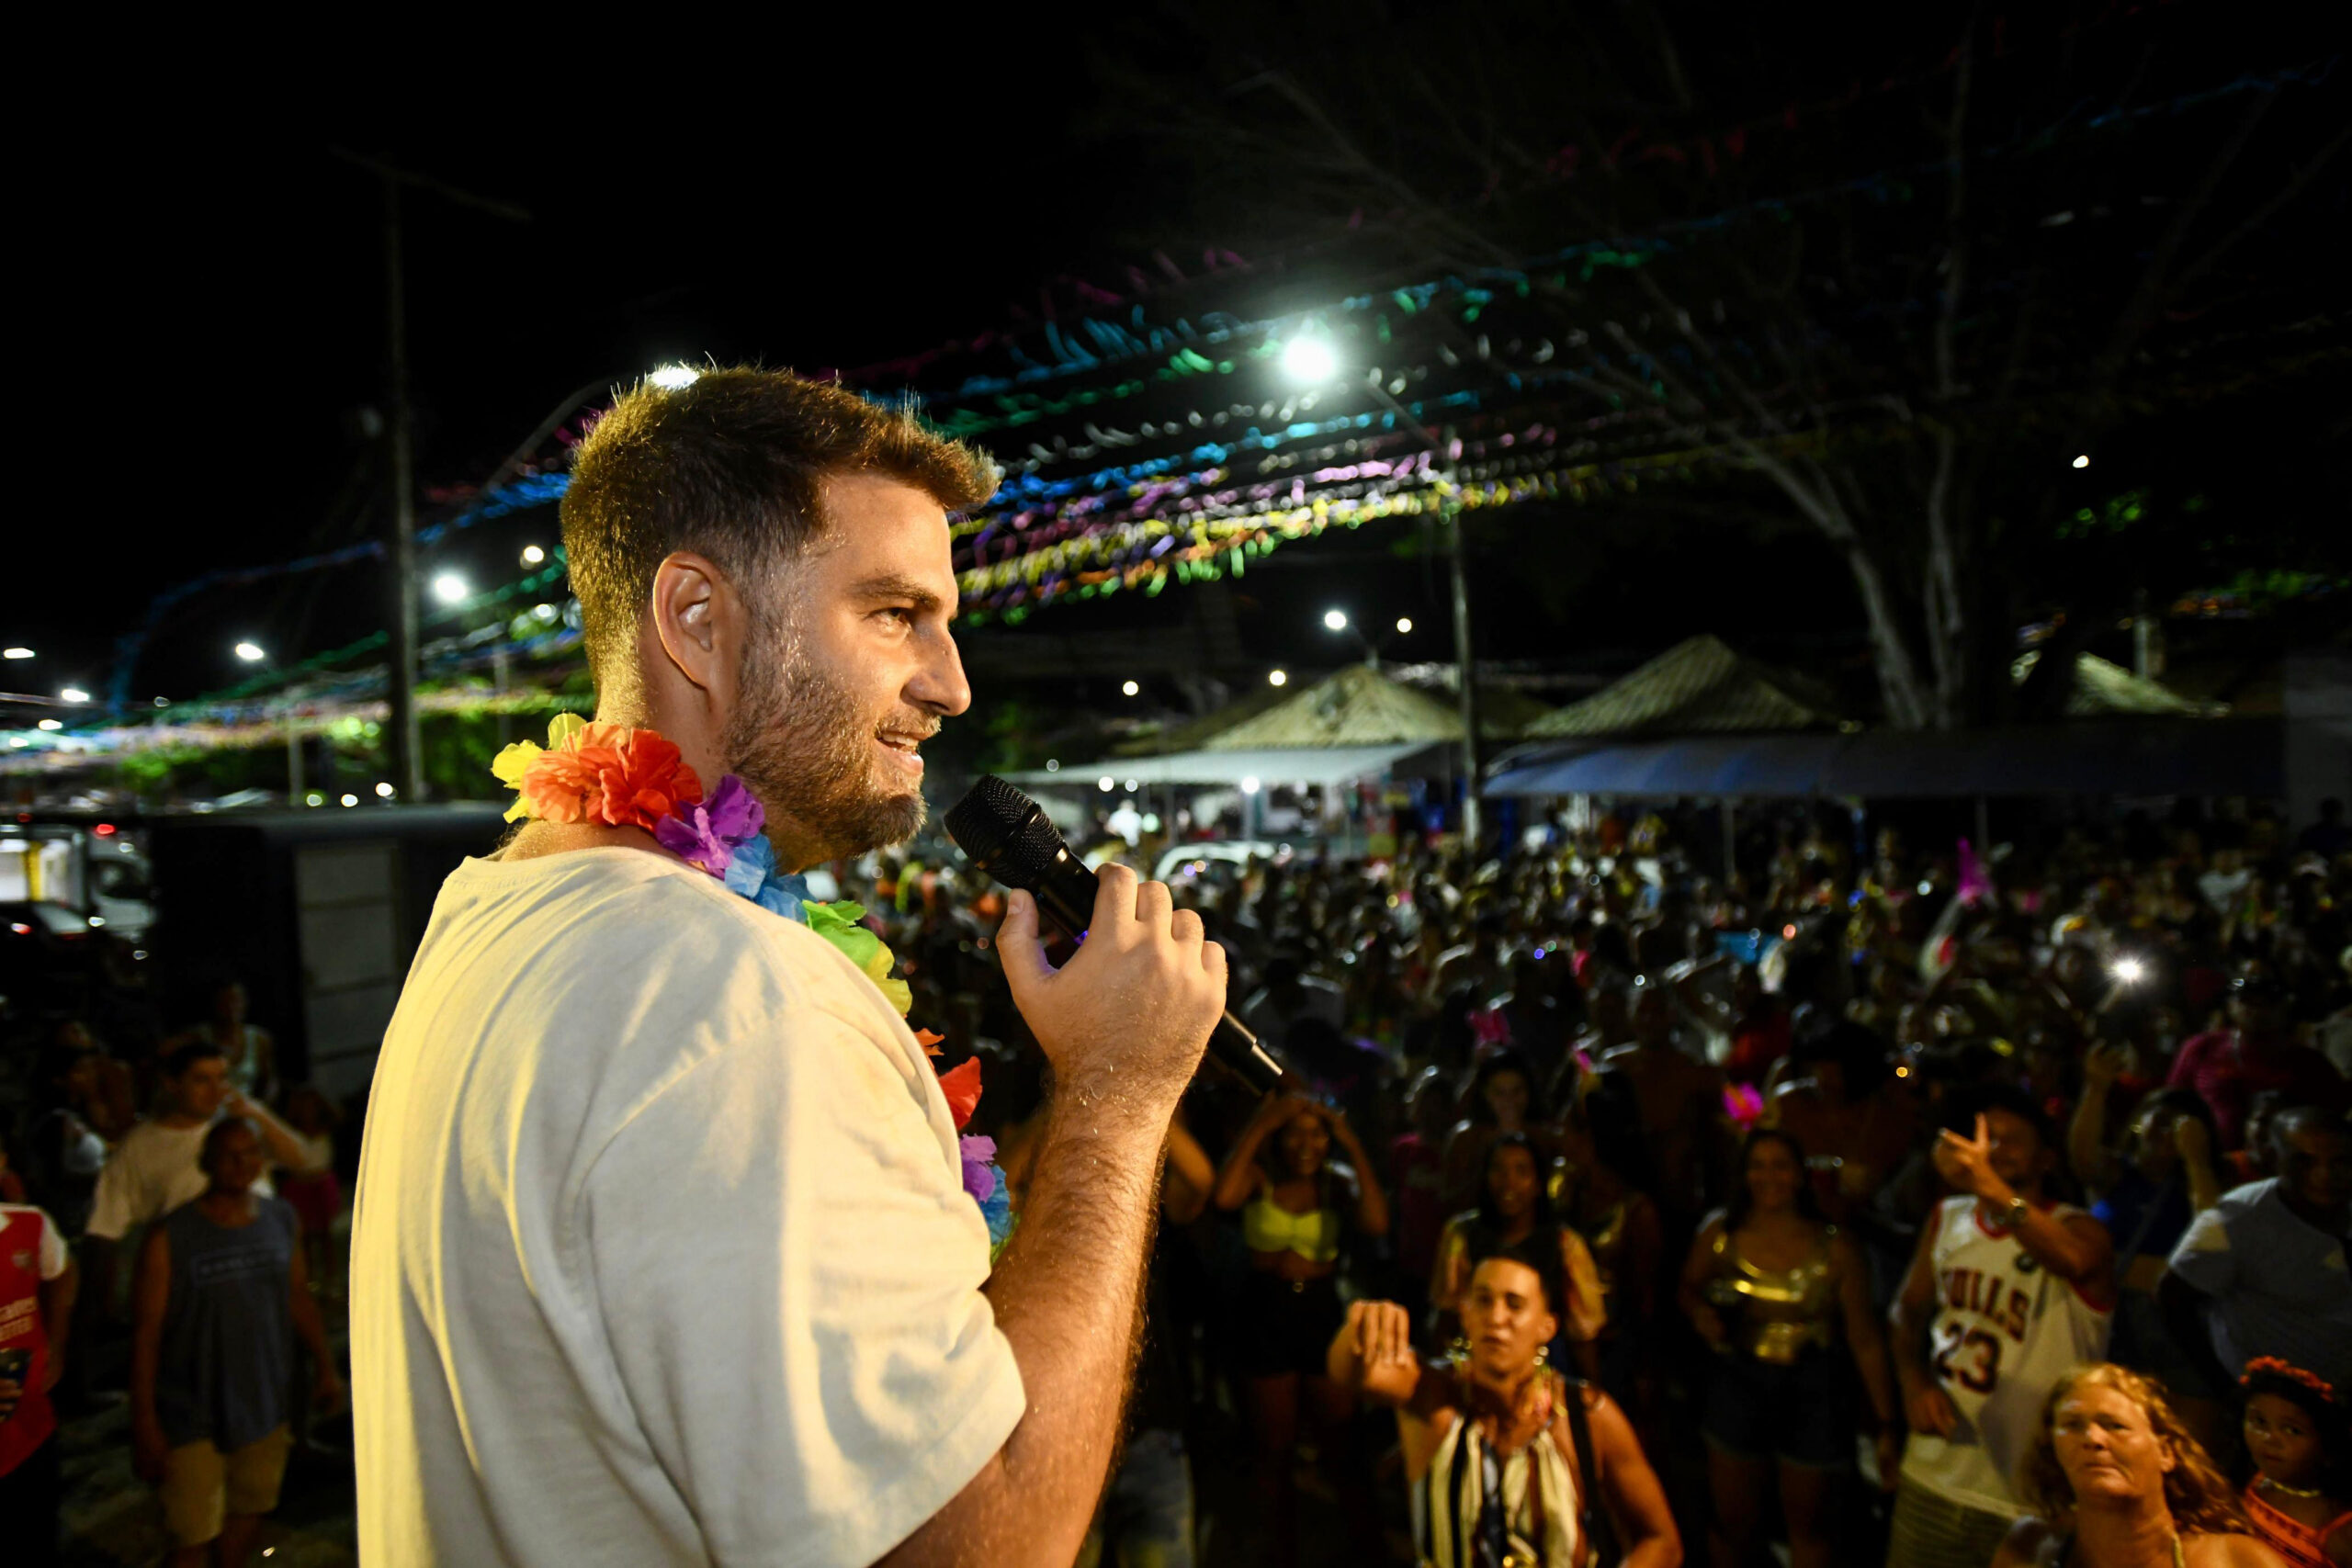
(2305, 1493)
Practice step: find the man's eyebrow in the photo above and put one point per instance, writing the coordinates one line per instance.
(895, 585)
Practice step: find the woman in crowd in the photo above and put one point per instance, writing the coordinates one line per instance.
(2299, 1501)
(1514, 1208)
(1773, 1289)
(1297, 1205)
(1509, 1464)
(220, 1296)
(2115, 1480)
(1501, 1099)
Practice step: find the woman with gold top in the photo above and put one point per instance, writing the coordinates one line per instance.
(1513, 1207)
(1510, 1465)
(1774, 1288)
(1297, 1205)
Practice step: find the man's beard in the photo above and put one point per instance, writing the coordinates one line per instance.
(798, 742)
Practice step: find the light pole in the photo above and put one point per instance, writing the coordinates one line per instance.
(1311, 359)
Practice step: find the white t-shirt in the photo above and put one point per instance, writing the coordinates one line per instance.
(153, 1171)
(661, 1252)
(53, 1256)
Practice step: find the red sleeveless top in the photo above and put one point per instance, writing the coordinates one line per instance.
(2298, 1543)
(20, 1327)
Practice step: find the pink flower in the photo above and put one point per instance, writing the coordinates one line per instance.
(705, 834)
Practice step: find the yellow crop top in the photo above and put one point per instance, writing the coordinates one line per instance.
(1267, 1227)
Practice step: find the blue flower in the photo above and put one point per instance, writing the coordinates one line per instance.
(751, 872)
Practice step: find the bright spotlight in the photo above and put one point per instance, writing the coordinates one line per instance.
(251, 652)
(1130, 688)
(1249, 786)
(1277, 677)
(2084, 461)
(351, 800)
(16, 653)
(384, 789)
(673, 378)
(2127, 970)
(1335, 620)
(1309, 359)
(75, 695)
(52, 724)
(533, 555)
(1403, 624)
(1106, 783)
(449, 588)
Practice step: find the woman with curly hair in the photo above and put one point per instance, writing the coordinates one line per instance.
(2116, 1481)
(2299, 1501)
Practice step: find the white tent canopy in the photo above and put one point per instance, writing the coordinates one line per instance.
(1270, 765)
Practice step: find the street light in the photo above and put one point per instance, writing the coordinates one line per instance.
(1277, 677)
(251, 652)
(533, 555)
(1310, 358)
(449, 588)
(1129, 689)
(1404, 626)
(1337, 620)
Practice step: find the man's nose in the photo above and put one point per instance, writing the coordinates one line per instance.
(940, 686)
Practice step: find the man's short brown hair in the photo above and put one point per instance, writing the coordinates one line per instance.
(731, 466)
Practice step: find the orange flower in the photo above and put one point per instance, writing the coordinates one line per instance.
(612, 774)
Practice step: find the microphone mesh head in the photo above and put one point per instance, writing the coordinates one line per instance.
(1001, 830)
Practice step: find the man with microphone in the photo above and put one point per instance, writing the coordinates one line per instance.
(661, 1252)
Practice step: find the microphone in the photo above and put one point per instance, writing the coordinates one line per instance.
(1006, 834)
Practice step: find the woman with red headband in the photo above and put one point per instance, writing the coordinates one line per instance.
(2299, 1501)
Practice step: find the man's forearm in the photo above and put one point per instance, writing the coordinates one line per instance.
(1066, 1293)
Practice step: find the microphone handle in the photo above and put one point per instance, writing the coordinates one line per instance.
(1065, 895)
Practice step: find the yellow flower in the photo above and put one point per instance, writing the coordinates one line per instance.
(562, 727)
(898, 994)
(510, 765)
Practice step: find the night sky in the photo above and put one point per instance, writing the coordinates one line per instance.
(207, 284)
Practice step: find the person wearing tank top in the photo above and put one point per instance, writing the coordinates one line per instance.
(2298, 1435)
(2008, 1290)
(218, 1298)
(1296, 1204)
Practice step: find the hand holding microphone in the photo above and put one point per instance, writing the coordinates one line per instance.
(1005, 833)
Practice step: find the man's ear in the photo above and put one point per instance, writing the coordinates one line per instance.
(698, 618)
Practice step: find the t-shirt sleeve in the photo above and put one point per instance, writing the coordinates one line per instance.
(789, 1273)
(2203, 1257)
(113, 1202)
(54, 1259)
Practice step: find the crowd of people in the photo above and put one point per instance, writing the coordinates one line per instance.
(1883, 1201)
(1822, 1183)
(164, 1222)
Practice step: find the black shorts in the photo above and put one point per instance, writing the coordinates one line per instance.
(1797, 1413)
(1287, 1326)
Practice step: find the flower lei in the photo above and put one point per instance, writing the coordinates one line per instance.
(620, 777)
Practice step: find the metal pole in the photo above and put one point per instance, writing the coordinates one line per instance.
(407, 754)
(1468, 694)
(293, 762)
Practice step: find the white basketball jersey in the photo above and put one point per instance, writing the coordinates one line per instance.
(2004, 1330)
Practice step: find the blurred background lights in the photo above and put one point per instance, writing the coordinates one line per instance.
(1277, 677)
(1130, 688)
(1309, 359)
(1336, 620)
(533, 555)
(384, 788)
(52, 724)
(16, 653)
(449, 588)
(251, 652)
(350, 800)
(2084, 461)
(671, 378)
(1404, 623)
(1105, 783)
(75, 695)
(1249, 786)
